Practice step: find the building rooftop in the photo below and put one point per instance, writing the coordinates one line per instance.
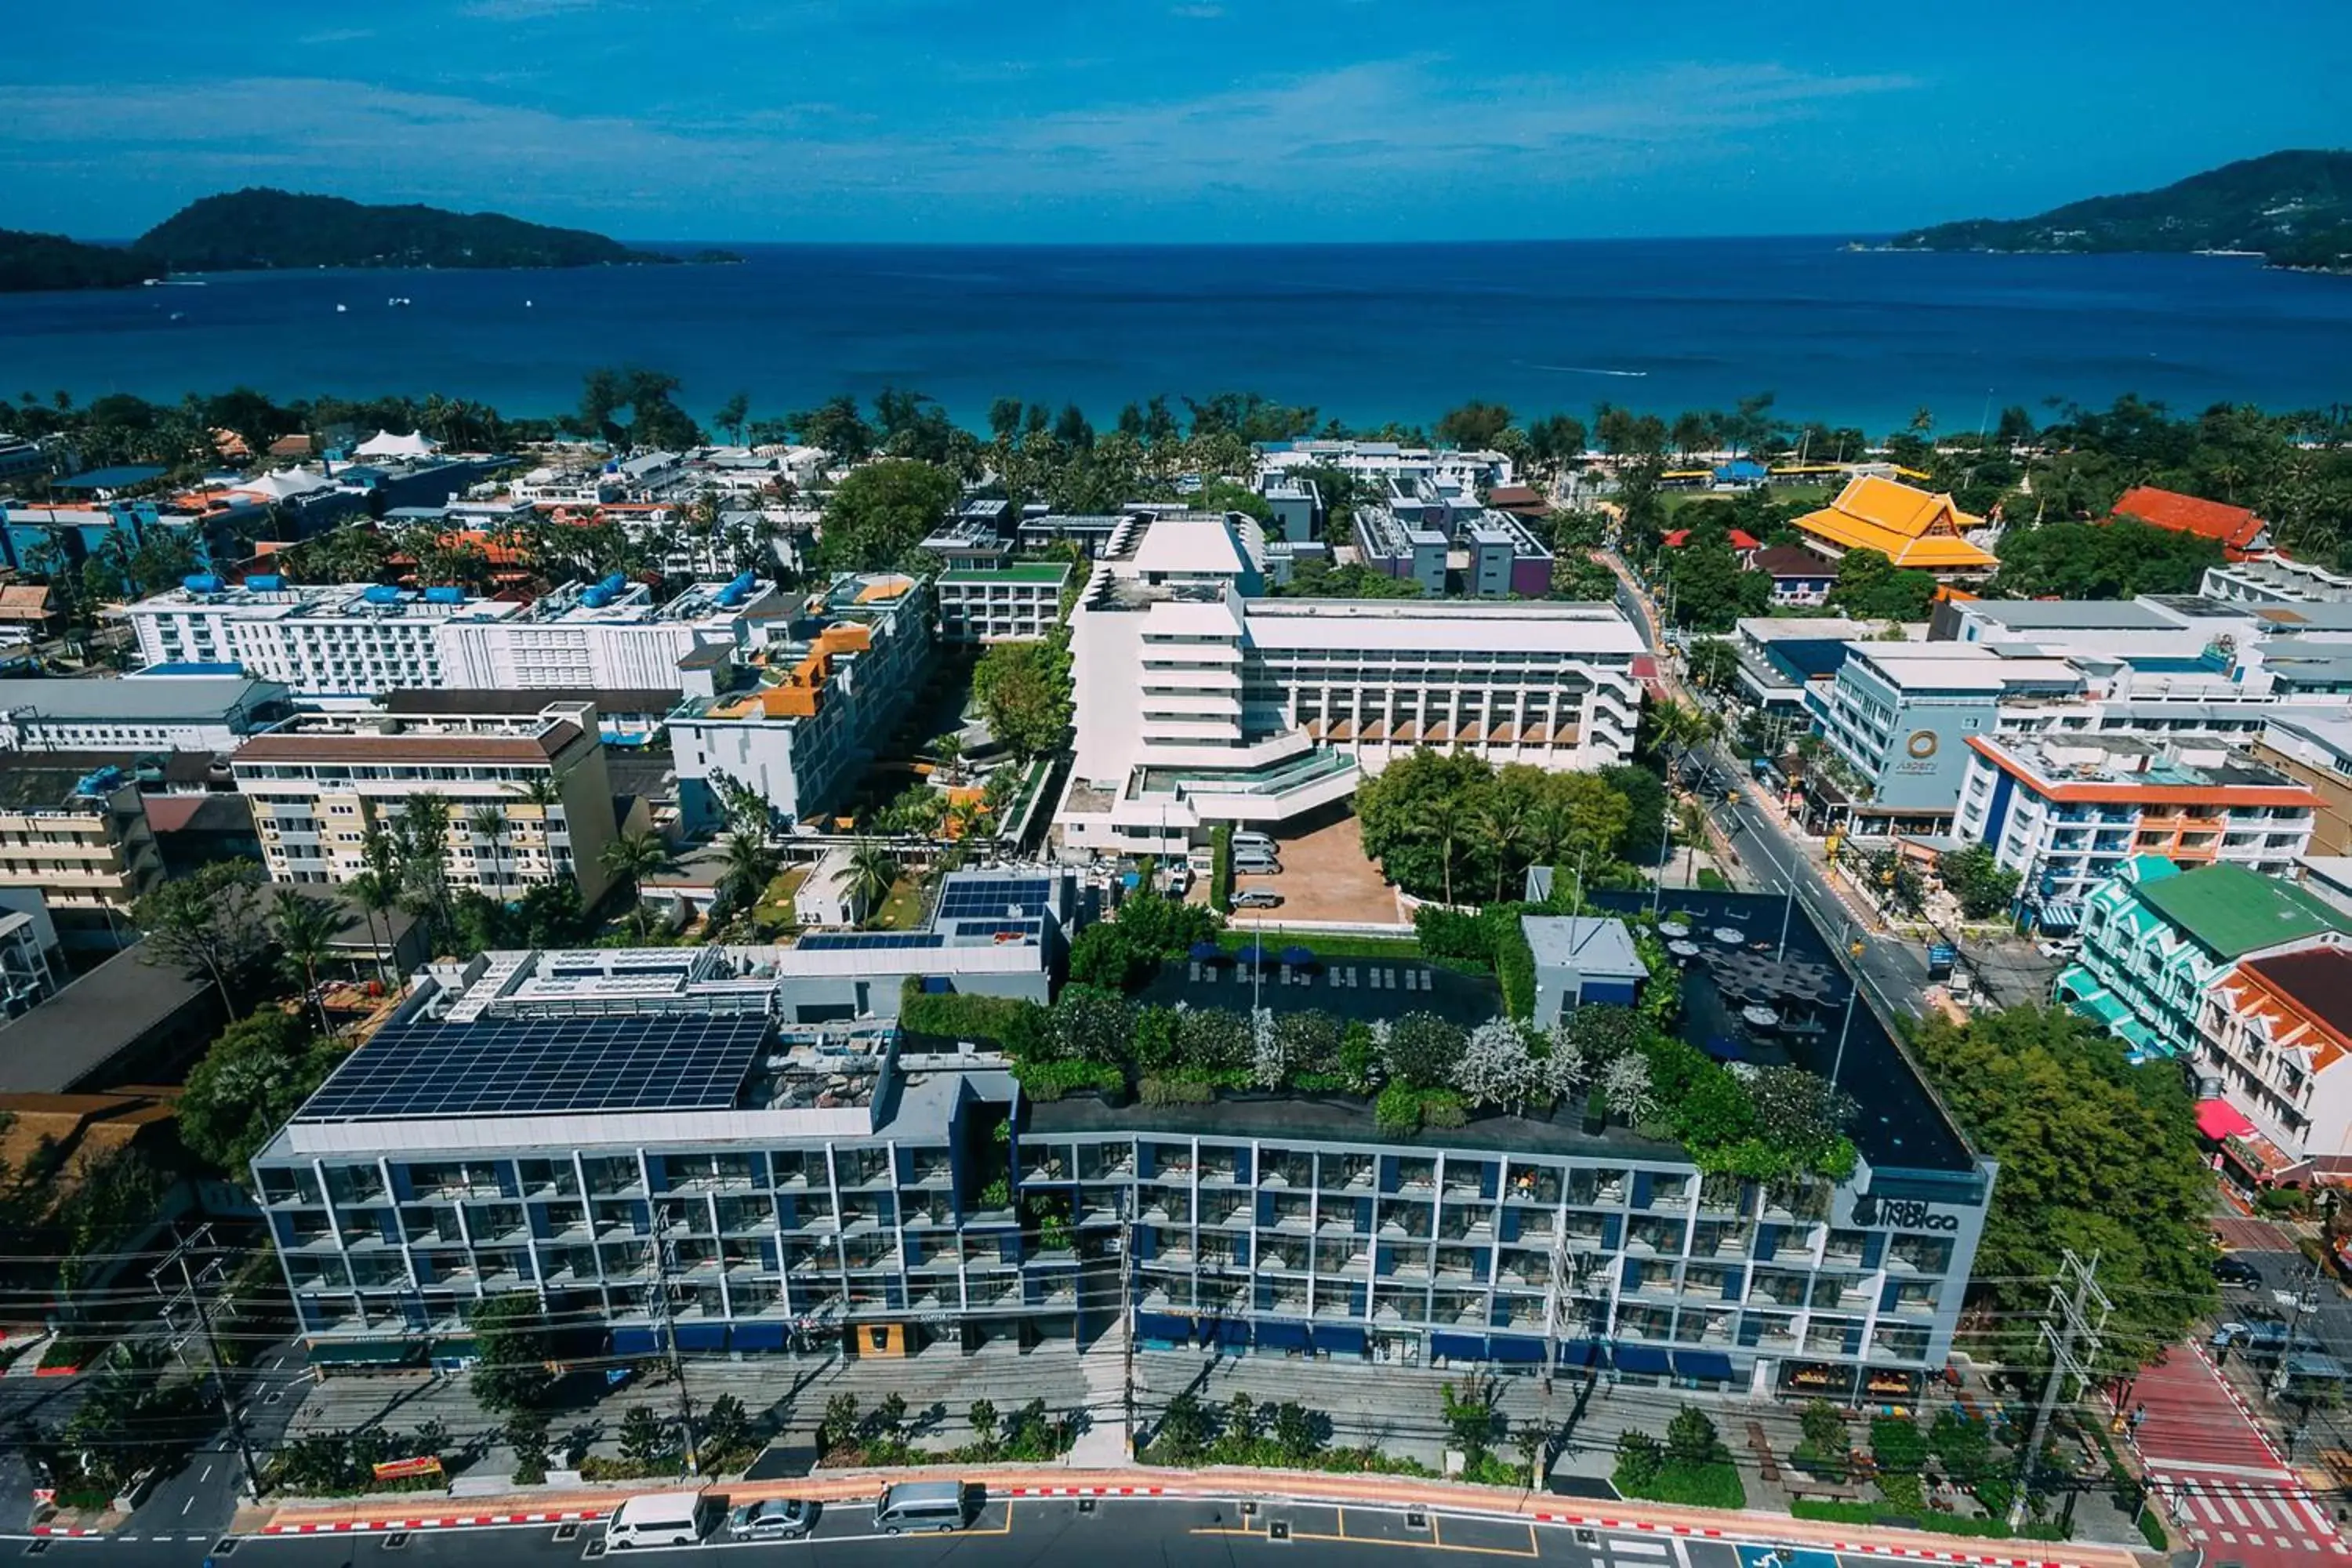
(1052, 571)
(2233, 527)
(1534, 626)
(1590, 943)
(162, 699)
(1912, 528)
(2125, 769)
(2318, 983)
(2232, 912)
(68, 1041)
(368, 737)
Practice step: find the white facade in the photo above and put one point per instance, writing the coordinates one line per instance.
(2066, 813)
(178, 713)
(1451, 469)
(1199, 701)
(2276, 580)
(1010, 603)
(360, 641)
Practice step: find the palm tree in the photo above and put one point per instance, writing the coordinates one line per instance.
(631, 859)
(1439, 823)
(750, 865)
(378, 894)
(304, 929)
(949, 750)
(967, 820)
(489, 823)
(1501, 828)
(873, 872)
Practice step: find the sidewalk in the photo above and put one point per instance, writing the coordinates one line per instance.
(1384, 1491)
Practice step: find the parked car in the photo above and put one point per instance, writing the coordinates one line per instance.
(777, 1518)
(2236, 1271)
(2228, 1335)
(1256, 899)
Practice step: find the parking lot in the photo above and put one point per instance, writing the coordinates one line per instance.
(1324, 877)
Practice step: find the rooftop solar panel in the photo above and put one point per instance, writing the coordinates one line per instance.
(995, 896)
(512, 1067)
(867, 941)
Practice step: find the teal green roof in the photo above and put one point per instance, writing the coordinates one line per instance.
(1021, 571)
(2231, 911)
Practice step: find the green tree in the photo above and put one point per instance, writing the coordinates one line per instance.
(1639, 1461)
(644, 1436)
(1423, 1048)
(210, 922)
(982, 1418)
(1691, 1437)
(1024, 691)
(724, 1429)
(873, 872)
(1474, 424)
(1871, 587)
(526, 1433)
(251, 1080)
(488, 824)
(2096, 1154)
(304, 930)
(2118, 560)
(629, 860)
(511, 1343)
(880, 512)
(1975, 878)
(1183, 1430)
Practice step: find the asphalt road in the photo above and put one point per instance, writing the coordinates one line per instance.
(1016, 1535)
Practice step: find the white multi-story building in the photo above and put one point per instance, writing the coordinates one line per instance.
(2276, 580)
(1199, 701)
(819, 706)
(2065, 813)
(1018, 602)
(360, 641)
(318, 783)
(1377, 462)
(142, 713)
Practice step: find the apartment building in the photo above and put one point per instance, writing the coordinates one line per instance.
(2066, 813)
(2275, 1042)
(2314, 750)
(1199, 700)
(361, 639)
(1017, 602)
(826, 686)
(320, 782)
(2157, 937)
(1497, 556)
(74, 831)
(2275, 580)
(1378, 462)
(767, 1186)
(143, 713)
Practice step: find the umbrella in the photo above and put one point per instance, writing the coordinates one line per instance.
(1673, 928)
(1295, 956)
(1252, 953)
(1729, 934)
(1207, 952)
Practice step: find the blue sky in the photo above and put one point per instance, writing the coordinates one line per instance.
(1154, 120)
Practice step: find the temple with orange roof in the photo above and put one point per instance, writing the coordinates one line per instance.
(1914, 528)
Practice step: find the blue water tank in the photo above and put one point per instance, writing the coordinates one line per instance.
(450, 595)
(737, 590)
(266, 584)
(382, 595)
(101, 782)
(597, 597)
(201, 582)
(613, 582)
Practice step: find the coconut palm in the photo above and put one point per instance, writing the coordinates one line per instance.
(949, 750)
(873, 872)
(749, 864)
(489, 823)
(1497, 825)
(1438, 824)
(304, 930)
(631, 859)
(379, 895)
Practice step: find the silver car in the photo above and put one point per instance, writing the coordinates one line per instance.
(777, 1518)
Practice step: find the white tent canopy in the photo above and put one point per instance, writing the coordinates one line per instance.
(385, 444)
(285, 484)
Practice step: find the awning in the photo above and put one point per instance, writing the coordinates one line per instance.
(1643, 1359)
(1709, 1365)
(2060, 914)
(2217, 1119)
(366, 1352)
(1580, 1353)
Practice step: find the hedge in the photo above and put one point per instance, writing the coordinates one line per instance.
(958, 1015)
(1052, 1080)
(1220, 867)
(1515, 967)
(1931, 1523)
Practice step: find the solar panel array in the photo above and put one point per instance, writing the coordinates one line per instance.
(983, 897)
(983, 930)
(514, 1067)
(868, 941)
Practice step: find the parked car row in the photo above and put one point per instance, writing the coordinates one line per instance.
(687, 1518)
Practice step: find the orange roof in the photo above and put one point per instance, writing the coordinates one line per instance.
(2109, 792)
(2238, 531)
(1910, 527)
(2302, 1000)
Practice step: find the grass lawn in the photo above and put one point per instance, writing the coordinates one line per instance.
(776, 906)
(1711, 881)
(1242, 933)
(903, 909)
(1801, 495)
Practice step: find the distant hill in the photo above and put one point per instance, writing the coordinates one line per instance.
(2294, 208)
(261, 229)
(31, 262)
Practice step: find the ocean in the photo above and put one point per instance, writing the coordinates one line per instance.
(1365, 334)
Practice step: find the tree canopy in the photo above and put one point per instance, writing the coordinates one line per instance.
(880, 512)
(2096, 1154)
(2118, 560)
(1871, 587)
(254, 1076)
(1448, 826)
(1024, 691)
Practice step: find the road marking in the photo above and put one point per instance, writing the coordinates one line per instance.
(186, 1506)
(1639, 1548)
(1437, 1539)
(207, 1475)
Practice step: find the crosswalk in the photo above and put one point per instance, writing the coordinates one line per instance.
(2249, 1515)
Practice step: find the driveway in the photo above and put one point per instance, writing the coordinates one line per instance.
(1324, 877)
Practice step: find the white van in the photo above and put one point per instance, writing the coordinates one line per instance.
(921, 1505)
(661, 1518)
(1252, 841)
(1202, 857)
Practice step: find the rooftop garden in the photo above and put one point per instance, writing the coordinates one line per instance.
(1608, 1066)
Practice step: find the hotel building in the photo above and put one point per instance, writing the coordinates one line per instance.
(318, 783)
(1016, 603)
(1200, 701)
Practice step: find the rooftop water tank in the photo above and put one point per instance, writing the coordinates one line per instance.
(450, 595)
(265, 584)
(613, 582)
(382, 595)
(737, 590)
(201, 582)
(597, 597)
(100, 784)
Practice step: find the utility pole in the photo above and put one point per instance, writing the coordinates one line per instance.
(2305, 1281)
(2064, 1362)
(668, 1257)
(1127, 1311)
(177, 1259)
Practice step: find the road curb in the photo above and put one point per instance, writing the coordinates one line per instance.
(438, 1522)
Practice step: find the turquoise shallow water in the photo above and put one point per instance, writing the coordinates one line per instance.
(1365, 333)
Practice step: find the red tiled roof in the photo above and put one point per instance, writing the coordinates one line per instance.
(1739, 538)
(1789, 561)
(2234, 528)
